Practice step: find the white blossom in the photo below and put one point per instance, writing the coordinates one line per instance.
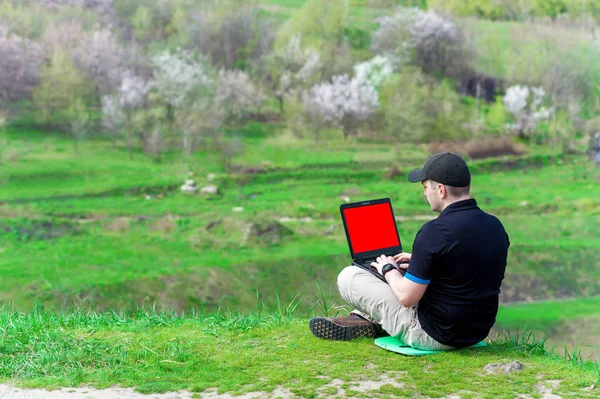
(20, 61)
(176, 74)
(113, 116)
(237, 93)
(515, 99)
(374, 71)
(411, 34)
(344, 101)
(297, 64)
(133, 90)
(103, 58)
(527, 106)
(393, 36)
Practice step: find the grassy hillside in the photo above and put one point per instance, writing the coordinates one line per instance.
(101, 229)
(97, 230)
(264, 355)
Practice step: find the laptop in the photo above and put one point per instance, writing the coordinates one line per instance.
(371, 231)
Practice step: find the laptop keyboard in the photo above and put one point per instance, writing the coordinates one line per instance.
(364, 263)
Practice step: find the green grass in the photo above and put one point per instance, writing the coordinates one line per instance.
(100, 230)
(242, 353)
(541, 316)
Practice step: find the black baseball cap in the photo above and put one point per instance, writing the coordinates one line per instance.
(445, 168)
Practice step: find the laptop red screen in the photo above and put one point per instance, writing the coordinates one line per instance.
(371, 227)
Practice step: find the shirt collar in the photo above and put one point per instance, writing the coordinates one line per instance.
(463, 205)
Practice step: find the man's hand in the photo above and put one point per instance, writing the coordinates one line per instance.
(402, 259)
(383, 260)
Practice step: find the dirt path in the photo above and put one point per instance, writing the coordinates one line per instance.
(9, 392)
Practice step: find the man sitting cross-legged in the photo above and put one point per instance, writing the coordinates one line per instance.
(448, 297)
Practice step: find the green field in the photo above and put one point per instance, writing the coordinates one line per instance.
(101, 231)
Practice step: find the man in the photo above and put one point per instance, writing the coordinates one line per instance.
(448, 296)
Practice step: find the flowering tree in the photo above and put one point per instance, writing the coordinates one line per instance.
(133, 90)
(344, 102)
(393, 37)
(421, 37)
(133, 93)
(113, 116)
(19, 66)
(374, 71)
(97, 52)
(102, 57)
(526, 105)
(237, 94)
(199, 122)
(66, 35)
(292, 67)
(176, 74)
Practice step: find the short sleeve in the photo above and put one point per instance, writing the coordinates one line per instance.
(429, 244)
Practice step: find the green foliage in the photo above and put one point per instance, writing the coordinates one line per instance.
(142, 22)
(320, 23)
(61, 86)
(550, 8)
(417, 108)
(358, 38)
(497, 116)
(30, 20)
(515, 9)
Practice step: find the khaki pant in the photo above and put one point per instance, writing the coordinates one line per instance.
(375, 300)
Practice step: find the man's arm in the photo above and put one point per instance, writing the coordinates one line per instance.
(408, 292)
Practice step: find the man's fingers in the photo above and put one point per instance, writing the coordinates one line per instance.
(403, 265)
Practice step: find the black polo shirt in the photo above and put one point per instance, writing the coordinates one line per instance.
(461, 255)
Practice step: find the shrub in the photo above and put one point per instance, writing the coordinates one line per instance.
(528, 110)
(479, 148)
(417, 108)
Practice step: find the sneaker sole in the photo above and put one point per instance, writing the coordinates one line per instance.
(326, 329)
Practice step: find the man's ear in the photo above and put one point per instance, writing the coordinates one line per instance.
(443, 191)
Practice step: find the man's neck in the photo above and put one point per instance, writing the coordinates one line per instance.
(451, 201)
